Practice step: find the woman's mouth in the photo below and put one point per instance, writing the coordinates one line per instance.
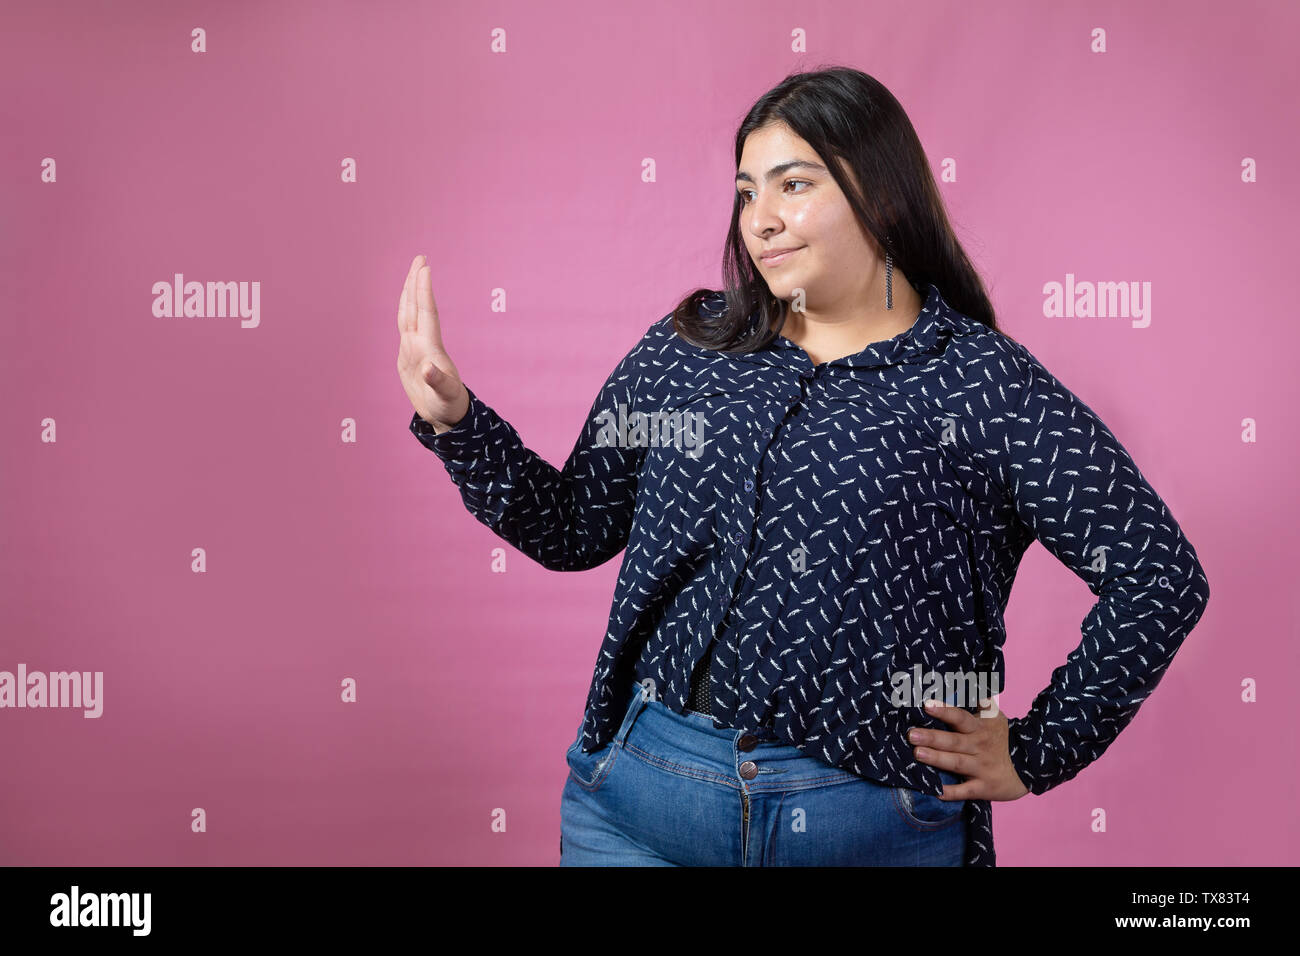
(777, 257)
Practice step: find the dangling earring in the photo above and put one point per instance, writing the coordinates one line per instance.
(889, 279)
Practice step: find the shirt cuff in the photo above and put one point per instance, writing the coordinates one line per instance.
(465, 439)
(1039, 764)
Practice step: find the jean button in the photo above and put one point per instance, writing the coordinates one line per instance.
(749, 770)
(747, 742)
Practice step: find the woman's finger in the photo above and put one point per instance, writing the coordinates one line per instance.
(405, 311)
(426, 310)
(957, 717)
(962, 743)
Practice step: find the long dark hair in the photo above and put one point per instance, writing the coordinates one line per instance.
(850, 117)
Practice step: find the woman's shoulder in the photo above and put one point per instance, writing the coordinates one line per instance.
(662, 333)
(990, 356)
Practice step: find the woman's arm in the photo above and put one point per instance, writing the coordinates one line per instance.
(568, 519)
(1077, 489)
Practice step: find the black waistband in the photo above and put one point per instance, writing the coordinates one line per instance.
(700, 698)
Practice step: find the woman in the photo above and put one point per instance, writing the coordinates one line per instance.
(824, 478)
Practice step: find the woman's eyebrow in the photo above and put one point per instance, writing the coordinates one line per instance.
(780, 168)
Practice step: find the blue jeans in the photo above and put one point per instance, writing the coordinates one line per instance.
(672, 790)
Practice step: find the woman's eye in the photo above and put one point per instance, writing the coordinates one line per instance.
(744, 193)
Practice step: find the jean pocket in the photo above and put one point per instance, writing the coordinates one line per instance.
(926, 810)
(588, 770)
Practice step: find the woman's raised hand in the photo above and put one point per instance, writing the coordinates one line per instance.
(431, 381)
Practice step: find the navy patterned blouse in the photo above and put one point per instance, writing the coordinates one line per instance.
(823, 529)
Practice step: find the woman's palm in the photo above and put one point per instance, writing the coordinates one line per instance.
(430, 378)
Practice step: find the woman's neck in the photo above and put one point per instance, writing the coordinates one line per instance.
(826, 340)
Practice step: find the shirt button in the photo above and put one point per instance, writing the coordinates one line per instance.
(746, 741)
(737, 536)
(749, 770)
(749, 484)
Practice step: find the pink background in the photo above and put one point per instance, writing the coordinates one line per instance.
(522, 171)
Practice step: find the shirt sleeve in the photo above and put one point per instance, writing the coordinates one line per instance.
(1079, 492)
(568, 519)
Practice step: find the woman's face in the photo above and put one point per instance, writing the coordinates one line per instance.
(801, 208)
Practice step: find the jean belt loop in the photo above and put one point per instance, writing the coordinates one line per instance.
(640, 696)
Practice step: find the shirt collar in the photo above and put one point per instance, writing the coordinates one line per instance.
(936, 320)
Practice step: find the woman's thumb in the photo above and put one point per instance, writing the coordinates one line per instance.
(435, 377)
